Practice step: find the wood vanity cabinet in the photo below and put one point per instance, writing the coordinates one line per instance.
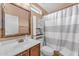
(34, 51)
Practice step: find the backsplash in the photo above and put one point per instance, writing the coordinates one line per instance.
(6, 41)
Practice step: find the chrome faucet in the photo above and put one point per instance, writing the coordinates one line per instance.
(21, 40)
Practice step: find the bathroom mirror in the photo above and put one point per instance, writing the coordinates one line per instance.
(11, 24)
(16, 20)
(0, 21)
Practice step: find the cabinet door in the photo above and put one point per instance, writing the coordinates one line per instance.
(25, 53)
(35, 51)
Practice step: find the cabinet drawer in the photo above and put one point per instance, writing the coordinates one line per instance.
(25, 53)
(35, 51)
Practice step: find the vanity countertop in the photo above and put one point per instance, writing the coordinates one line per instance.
(13, 49)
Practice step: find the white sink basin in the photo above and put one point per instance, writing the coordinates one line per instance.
(15, 48)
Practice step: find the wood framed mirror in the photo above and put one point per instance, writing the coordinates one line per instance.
(16, 20)
(0, 20)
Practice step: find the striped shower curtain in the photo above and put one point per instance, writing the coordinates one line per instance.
(62, 30)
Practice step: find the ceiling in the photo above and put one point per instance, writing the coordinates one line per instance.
(52, 7)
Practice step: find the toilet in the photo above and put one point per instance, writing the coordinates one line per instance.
(47, 51)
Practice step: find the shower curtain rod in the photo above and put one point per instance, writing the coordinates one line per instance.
(63, 8)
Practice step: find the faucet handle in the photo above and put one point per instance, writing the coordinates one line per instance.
(21, 40)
